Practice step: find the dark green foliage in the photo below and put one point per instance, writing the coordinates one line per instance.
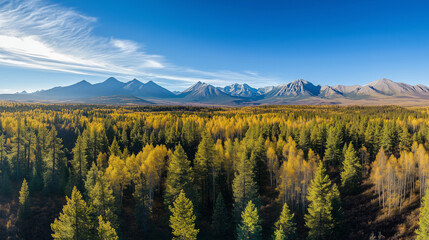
(250, 226)
(220, 219)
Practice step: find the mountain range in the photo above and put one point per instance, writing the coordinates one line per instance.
(135, 92)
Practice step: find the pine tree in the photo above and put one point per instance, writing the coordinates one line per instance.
(319, 218)
(91, 178)
(206, 169)
(24, 196)
(279, 234)
(179, 176)
(182, 219)
(244, 186)
(220, 219)
(337, 212)
(101, 199)
(74, 222)
(114, 149)
(423, 230)
(105, 231)
(404, 139)
(79, 161)
(124, 138)
(285, 226)
(351, 175)
(54, 162)
(334, 143)
(250, 226)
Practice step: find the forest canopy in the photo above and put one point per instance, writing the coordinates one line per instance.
(182, 172)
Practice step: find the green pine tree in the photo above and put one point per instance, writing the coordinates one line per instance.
(102, 200)
(423, 230)
(182, 219)
(206, 169)
(79, 162)
(105, 231)
(351, 174)
(74, 222)
(179, 176)
(91, 178)
(114, 149)
(319, 218)
(250, 226)
(24, 196)
(334, 143)
(285, 226)
(244, 187)
(220, 219)
(279, 234)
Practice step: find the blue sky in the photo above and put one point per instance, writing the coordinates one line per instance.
(46, 43)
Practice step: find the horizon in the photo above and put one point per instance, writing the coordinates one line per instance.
(44, 44)
(250, 85)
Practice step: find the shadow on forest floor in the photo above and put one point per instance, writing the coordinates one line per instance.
(363, 216)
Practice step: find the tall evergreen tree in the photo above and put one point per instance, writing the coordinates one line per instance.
(423, 229)
(351, 174)
(404, 139)
(182, 219)
(220, 219)
(105, 231)
(79, 162)
(334, 143)
(114, 148)
(285, 227)
(244, 186)
(55, 163)
(74, 222)
(18, 153)
(250, 226)
(179, 176)
(319, 218)
(206, 168)
(24, 197)
(2, 154)
(101, 199)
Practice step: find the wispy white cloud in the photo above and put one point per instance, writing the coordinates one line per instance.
(34, 34)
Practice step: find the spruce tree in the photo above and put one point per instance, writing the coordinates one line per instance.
(423, 229)
(285, 226)
(334, 143)
(182, 219)
(220, 219)
(279, 234)
(319, 218)
(250, 226)
(244, 186)
(179, 176)
(101, 199)
(404, 139)
(114, 149)
(206, 169)
(79, 162)
(74, 222)
(105, 231)
(351, 174)
(24, 196)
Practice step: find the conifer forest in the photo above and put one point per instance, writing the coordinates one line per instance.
(101, 172)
